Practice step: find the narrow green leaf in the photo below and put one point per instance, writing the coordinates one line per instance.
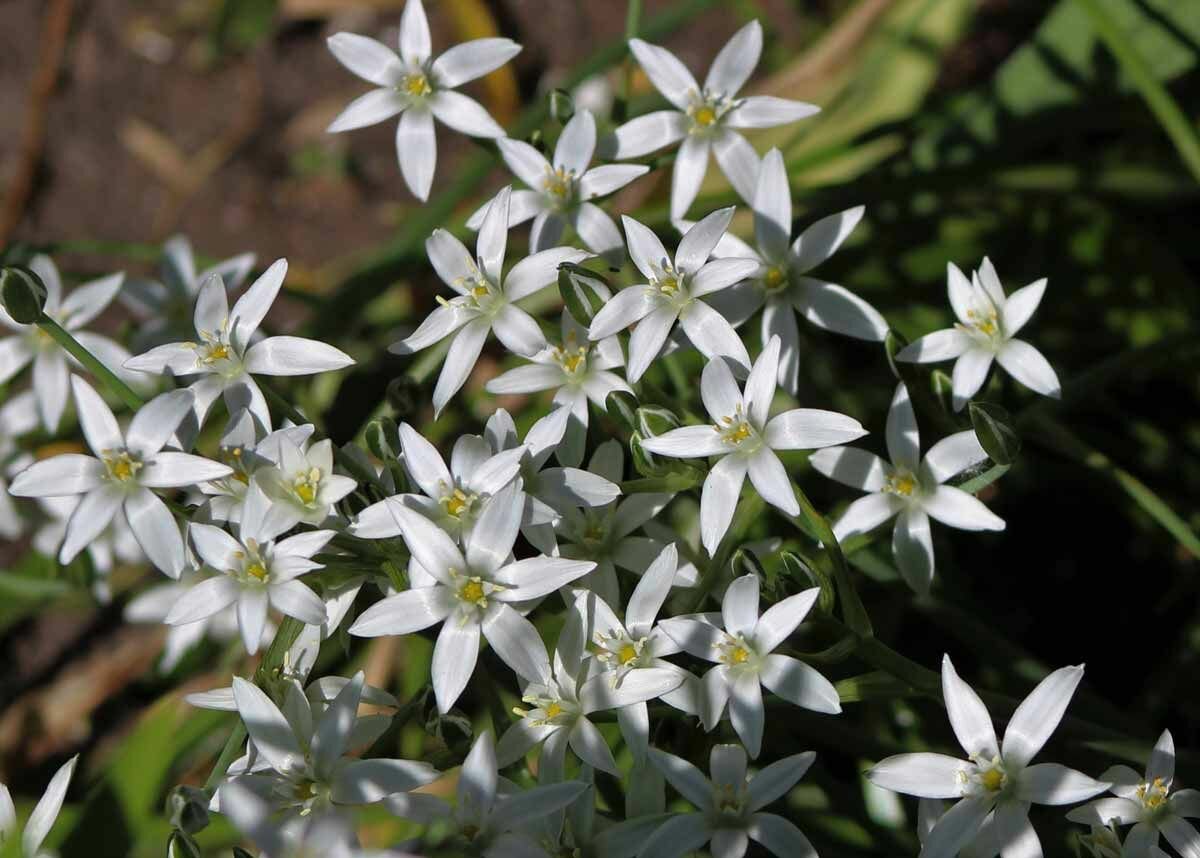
(994, 429)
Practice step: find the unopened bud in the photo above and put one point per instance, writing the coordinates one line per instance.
(22, 293)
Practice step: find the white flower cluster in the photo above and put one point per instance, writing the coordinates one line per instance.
(491, 545)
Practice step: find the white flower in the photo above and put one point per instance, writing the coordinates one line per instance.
(223, 355)
(562, 190)
(608, 533)
(578, 371)
(782, 285)
(743, 647)
(44, 813)
(305, 770)
(910, 488)
(51, 365)
(550, 493)
(115, 543)
(705, 118)
(996, 779)
(562, 701)
(18, 416)
(166, 303)
(486, 300)
(419, 88)
(1148, 804)
(303, 486)
(746, 440)
(729, 806)
(672, 292)
(639, 643)
(453, 497)
(988, 323)
(485, 816)
(472, 595)
(256, 572)
(247, 451)
(122, 473)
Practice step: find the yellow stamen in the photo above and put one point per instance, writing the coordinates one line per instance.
(553, 710)
(903, 484)
(739, 655)
(122, 466)
(307, 484)
(472, 591)
(416, 85)
(669, 284)
(627, 654)
(704, 116)
(774, 278)
(257, 570)
(558, 183)
(992, 780)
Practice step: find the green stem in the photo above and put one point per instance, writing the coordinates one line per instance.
(231, 751)
(1165, 109)
(90, 362)
(853, 611)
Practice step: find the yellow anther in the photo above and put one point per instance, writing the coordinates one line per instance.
(903, 484)
(480, 291)
(457, 503)
(774, 278)
(416, 85)
(1154, 794)
(558, 183)
(572, 361)
(739, 655)
(627, 653)
(307, 484)
(553, 710)
(257, 570)
(472, 592)
(669, 284)
(122, 466)
(305, 790)
(704, 116)
(992, 780)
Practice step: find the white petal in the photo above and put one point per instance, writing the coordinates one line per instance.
(416, 150)
(296, 600)
(368, 109)
(912, 546)
(491, 539)
(867, 513)
(272, 735)
(651, 591)
(811, 428)
(691, 162)
(1179, 834)
(454, 657)
(15, 353)
(530, 378)
(603, 180)
(546, 230)
(953, 455)
(156, 531)
(367, 58)
(1014, 831)
(460, 360)
(431, 546)
(598, 231)
(773, 207)
(1038, 715)
(719, 498)
(464, 114)
(477, 780)
(956, 508)
(780, 836)
(589, 745)
(719, 391)
(777, 779)
(781, 619)
(89, 300)
(924, 775)
(472, 60)
(451, 260)
(644, 134)
(518, 331)
(538, 576)
(575, 146)
(1050, 783)
(767, 111)
(822, 239)
(968, 716)
(666, 72)
(903, 438)
(369, 781)
(685, 777)
(645, 249)
(687, 442)
(250, 309)
(406, 612)
(538, 271)
(746, 711)
(647, 339)
(851, 466)
(1027, 365)
(415, 43)
(833, 308)
(739, 607)
(333, 730)
(961, 293)
(711, 334)
(156, 422)
(771, 481)
(676, 837)
(169, 470)
(1019, 307)
(517, 643)
(423, 462)
(209, 597)
(492, 240)
(1162, 759)
(41, 820)
(294, 356)
(96, 419)
(970, 372)
(721, 274)
(957, 827)
(252, 618)
(519, 738)
(736, 61)
(796, 682)
(738, 161)
(940, 345)
(66, 474)
(214, 546)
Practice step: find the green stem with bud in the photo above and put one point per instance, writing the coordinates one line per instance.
(90, 362)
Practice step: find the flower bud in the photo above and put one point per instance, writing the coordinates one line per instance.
(22, 293)
(562, 106)
(187, 808)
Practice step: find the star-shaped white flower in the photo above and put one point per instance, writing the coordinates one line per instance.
(490, 811)
(256, 572)
(166, 303)
(746, 440)
(486, 299)
(51, 365)
(419, 88)
(1148, 804)
(909, 488)
(306, 770)
(122, 473)
(988, 323)
(473, 595)
(782, 285)
(729, 806)
(225, 355)
(561, 702)
(706, 119)
(302, 487)
(743, 646)
(996, 779)
(562, 190)
(452, 497)
(672, 292)
(44, 813)
(579, 371)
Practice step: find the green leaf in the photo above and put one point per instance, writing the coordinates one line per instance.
(654, 420)
(995, 431)
(876, 685)
(809, 574)
(624, 405)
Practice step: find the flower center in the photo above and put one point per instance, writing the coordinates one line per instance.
(735, 429)
(901, 483)
(458, 503)
(214, 351)
(122, 465)
(728, 799)
(478, 293)
(618, 649)
(255, 568)
(306, 485)
(558, 184)
(775, 279)
(472, 591)
(415, 85)
(983, 320)
(1153, 795)
(734, 650)
(572, 359)
(706, 112)
(989, 777)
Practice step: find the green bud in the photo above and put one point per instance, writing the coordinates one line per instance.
(577, 287)
(377, 436)
(654, 420)
(943, 389)
(994, 429)
(23, 294)
(624, 405)
(809, 574)
(562, 106)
